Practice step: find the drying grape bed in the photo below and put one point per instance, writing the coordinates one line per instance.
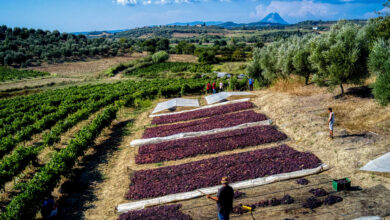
(208, 144)
(202, 113)
(156, 213)
(220, 121)
(208, 172)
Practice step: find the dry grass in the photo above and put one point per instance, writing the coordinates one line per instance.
(182, 58)
(92, 69)
(185, 35)
(295, 86)
(70, 73)
(354, 113)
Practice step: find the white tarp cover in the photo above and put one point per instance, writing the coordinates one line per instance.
(173, 103)
(122, 208)
(211, 99)
(381, 164)
(203, 107)
(223, 74)
(139, 142)
(369, 218)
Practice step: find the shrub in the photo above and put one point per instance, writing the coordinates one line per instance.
(207, 56)
(160, 57)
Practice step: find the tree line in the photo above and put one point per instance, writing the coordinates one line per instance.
(347, 54)
(25, 47)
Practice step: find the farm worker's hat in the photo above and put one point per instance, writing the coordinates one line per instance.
(224, 180)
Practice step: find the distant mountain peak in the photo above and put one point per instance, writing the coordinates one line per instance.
(274, 18)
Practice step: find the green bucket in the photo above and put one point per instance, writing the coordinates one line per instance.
(344, 185)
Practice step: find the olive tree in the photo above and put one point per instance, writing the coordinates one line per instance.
(268, 61)
(340, 56)
(286, 52)
(254, 70)
(300, 60)
(379, 63)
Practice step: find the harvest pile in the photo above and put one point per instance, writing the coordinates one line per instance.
(330, 200)
(312, 203)
(202, 113)
(318, 192)
(208, 144)
(156, 213)
(220, 121)
(287, 199)
(238, 194)
(302, 181)
(208, 172)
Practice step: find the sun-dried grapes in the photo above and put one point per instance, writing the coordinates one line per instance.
(219, 121)
(330, 200)
(202, 113)
(287, 199)
(302, 181)
(206, 173)
(263, 203)
(238, 194)
(318, 192)
(342, 181)
(312, 203)
(275, 202)
(208, 144)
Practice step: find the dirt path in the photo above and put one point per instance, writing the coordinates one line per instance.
(103, 177)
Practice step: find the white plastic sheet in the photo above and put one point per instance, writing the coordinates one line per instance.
(381, 164)
(223, 74)
(369, 218)
(139, 142)
(218, 97)
(122, 208)
(173, 103)
(204, 107)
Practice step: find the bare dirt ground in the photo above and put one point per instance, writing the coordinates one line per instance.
(361, 134)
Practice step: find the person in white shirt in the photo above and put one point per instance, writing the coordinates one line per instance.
(331, 122)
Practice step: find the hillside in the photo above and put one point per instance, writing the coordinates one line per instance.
(300, 113)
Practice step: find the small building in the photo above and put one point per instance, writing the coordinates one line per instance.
(315, 28)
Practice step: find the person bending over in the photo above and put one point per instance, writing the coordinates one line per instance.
(224, 199)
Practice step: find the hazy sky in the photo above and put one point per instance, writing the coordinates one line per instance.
(89, 15)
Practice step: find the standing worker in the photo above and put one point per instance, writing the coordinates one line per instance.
(224, 199)
(214, 87)
(208, 87)
(250, 84)
(220, 86)
(331, 122)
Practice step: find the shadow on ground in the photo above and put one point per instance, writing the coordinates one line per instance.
(77, 192)
(360, 92)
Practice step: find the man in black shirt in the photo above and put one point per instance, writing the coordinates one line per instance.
(224, 199)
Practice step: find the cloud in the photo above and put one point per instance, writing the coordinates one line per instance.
(295, 9)
(161, 2)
